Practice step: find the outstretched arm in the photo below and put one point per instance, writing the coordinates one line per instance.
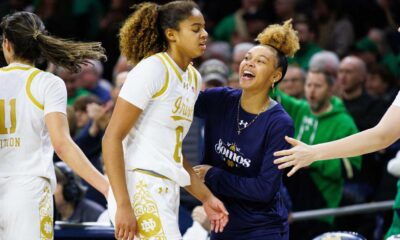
(214, 208)
(69, 152)
(382, 135)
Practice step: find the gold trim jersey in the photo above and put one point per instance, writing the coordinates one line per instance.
(167, 95)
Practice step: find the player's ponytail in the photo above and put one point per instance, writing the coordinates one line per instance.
(31, 41)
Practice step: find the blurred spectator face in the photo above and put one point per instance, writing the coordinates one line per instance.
(318, 91)
(304, 33)
(218, 50)
(214, 73)
(321, 10)
(233, 81)
(237, 59)
(251, 5)
(254, 27)
(293, 83)
(378, 37)
(121, 66)
(351, 74)
(119, 82)
(81, 109)
(375, 85)
(82, 118)
(88, 77)
(284, 8)
(71, 81)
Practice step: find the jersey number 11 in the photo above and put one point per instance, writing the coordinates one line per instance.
(13, 118)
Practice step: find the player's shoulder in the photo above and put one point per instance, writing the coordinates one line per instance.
(150, 65)
(154, 61)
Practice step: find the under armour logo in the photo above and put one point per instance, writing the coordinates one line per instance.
(243, 123)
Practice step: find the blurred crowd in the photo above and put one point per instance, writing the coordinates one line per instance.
(349, 56)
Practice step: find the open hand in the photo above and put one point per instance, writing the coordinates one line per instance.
(301, 155)
(216, 212)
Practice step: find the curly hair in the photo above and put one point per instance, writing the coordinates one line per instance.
(142, 34)
(281, 37)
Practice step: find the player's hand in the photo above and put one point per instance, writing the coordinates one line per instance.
(199, 215)
(301, 155)
(201, 171)
(125, 223)
(216, 212)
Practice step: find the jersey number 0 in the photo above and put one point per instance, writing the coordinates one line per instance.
(3, 129)
(178, 146)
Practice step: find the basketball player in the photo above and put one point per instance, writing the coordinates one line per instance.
(152, 115)
(33, 120)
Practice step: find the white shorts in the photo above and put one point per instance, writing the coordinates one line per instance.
(26, 208)
(155, 201)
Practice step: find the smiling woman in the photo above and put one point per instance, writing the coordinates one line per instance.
(152, 115)
(242, 130)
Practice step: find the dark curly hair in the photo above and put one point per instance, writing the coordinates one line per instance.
(143, 32)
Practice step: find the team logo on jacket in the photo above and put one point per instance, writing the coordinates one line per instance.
(231, 154)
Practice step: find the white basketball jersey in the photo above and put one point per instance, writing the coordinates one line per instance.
(167, 95)
(26, 95)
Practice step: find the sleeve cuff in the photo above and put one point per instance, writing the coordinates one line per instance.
(211, 177)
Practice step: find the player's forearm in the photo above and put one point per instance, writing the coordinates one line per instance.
(115, 167)
(367, 141)
(197, 188)
(76, 159)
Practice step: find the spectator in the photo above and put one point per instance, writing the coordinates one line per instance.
(218, 50)
(284, 10)
(366, 112)
(308, 47)
(328, 62)
(293, 82)
(118, 83)
(90, 79)
(92, 119)
(71, 205)
(335, 30)
(234, 24)
(380, 83)
(214, 73)
(319, 118)
(71, 82)
(368, 51)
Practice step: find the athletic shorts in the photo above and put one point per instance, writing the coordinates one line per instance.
(26, 208)
(155, 201)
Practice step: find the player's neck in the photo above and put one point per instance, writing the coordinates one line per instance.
(22, 61)
(179, 58)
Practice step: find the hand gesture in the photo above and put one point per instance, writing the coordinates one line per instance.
(216, 212)
(301, 155)
(125, 223)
